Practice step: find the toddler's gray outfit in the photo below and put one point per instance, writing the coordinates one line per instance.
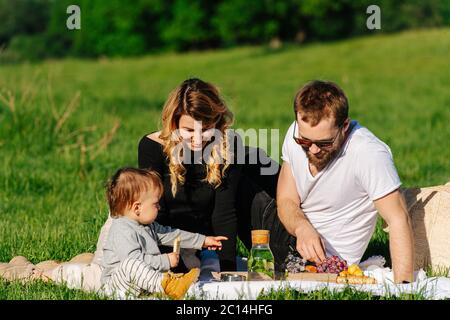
(132, 262)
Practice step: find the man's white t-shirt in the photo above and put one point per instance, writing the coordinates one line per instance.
(338, 201)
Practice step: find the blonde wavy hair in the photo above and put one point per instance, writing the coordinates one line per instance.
(201, 101)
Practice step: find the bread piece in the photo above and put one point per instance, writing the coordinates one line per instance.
(356, 280)
(176, 245)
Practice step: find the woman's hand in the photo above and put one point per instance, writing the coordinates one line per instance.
(174, 259)
(213, 243)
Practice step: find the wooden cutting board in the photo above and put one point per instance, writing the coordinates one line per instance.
(304, 276)
(307, 276)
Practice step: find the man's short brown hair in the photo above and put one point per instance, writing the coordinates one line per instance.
(127, 185)
(321, 99)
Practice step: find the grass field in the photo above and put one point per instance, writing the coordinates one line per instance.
(66, 126)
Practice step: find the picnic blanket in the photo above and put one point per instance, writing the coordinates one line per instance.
(81, 274)
(74, 275)
(209, 288)
(430, 288)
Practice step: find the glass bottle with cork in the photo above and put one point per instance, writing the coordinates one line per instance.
(261, 260)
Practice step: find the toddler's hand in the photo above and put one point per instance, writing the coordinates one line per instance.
(174, 259)
(213, 243)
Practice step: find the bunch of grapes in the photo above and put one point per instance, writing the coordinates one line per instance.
(332, 264)
(294, 263)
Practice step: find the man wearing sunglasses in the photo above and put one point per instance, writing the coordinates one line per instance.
(336, 176)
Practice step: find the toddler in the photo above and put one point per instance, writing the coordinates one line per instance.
(132, 261)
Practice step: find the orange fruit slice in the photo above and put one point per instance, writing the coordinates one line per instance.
(311, 269)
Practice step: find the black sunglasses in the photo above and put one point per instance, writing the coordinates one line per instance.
(306, 144)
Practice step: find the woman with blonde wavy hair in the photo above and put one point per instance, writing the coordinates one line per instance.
(193, 153)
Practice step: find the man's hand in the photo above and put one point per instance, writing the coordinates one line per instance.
(174, 259)
(309, 243)
(213, 243)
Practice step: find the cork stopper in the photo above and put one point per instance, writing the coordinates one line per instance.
(260, 236)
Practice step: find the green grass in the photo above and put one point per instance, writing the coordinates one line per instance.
(39, 290)
(56, 151)
(348, 293)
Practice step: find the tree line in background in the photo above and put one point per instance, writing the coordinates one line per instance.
(36, 29)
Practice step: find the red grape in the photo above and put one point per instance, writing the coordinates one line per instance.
(332, 264)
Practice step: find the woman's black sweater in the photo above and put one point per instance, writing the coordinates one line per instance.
(197, 206)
